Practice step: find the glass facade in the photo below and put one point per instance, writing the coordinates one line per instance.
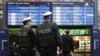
(55, 0)
(98, 8)
(1, 10)
(82, 43)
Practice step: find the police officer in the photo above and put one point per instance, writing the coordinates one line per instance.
(68, 45)
(26, 39)
(48, 37)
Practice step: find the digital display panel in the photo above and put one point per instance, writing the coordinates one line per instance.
(73, 13)
(16, 12)
(67, 13)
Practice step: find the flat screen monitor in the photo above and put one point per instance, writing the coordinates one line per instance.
(17, 11)
(73, 13)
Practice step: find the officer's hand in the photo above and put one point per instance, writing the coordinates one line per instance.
(72, 53)
(33, 48)
(60, 51)
(17, 46)
(39, 50)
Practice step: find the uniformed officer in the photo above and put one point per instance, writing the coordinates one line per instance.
(48, 37)
(68, 46)
(26, 39)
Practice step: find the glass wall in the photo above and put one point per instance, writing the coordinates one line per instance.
(82, 43)
(1, 10)
(98, 7)
(55, 0)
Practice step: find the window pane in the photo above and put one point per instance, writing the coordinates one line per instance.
(0, 0)
(98, 7)
(1, 11)
(99, 22)
(56, 0)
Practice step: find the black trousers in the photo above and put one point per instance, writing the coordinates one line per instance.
(66, 53)
(48, 51)
(26, 52)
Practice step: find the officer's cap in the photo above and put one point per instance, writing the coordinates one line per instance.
(27, 19)
(47, 13)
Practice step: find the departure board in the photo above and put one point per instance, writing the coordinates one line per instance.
(73, 13)
(17, 11)
(64, 13)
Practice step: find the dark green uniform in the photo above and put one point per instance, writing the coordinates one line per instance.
(25, 41)
(23, 38)
(48, 39)
(46, 35)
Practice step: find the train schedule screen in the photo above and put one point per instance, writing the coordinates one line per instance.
(16, 12)
(67, 13)
(73, 13)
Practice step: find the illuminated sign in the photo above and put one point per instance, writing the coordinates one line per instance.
(17, 11)
(63, 13)
(73, 13)
(75, 31)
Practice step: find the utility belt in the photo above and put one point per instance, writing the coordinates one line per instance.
(23, 48)
(27, 48)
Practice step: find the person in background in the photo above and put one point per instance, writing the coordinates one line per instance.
(13, 49)
(48, 37)
(68, 45)
(26, 39)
